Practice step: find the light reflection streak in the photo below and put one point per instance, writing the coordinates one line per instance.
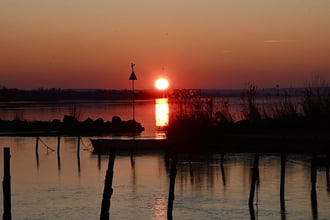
(162, 111)
(159, 209)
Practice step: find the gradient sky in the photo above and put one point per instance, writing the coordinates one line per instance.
(195, 44)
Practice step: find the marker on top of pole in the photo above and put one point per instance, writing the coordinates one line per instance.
(133, 77)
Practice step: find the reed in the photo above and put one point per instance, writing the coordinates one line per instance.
(286, 108)
(190, 104)
(313, 104)
(19, 116)
(196, 116)
(192, 115)
(250, 110)
(316, 100)
(222, 116)
(75, 113)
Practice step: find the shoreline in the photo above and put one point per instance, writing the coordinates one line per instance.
(69, 126)
(230, 143)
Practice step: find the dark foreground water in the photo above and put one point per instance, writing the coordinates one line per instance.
(48, 185)
(70, 187)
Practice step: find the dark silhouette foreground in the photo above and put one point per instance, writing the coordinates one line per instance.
(69, 126)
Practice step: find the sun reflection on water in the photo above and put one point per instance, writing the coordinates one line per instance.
(162, 111)
(159, 209)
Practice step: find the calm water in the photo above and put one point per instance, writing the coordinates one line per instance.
(144, 111)
(70, 187)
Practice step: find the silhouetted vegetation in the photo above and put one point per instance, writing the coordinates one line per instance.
(192, 115)
(250, 109)
(70, 126)
(199, 119)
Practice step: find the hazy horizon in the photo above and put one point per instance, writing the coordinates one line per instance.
(244, 86)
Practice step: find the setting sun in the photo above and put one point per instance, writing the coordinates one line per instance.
(161, 84)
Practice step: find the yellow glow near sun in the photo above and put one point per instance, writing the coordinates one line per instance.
(161, 112)
(161, 84)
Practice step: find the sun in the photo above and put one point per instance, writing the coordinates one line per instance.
(161, 84)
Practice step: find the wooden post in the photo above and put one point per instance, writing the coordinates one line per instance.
(37, 160)
(78, 155)
(58, 162)
(327, 172)
(222, 158)
(223, 170)
(328, 180)
(282, 186)
(78, 146)
(132, 158)
(191, 172)
(107, 192)
(58, 153)
(172, 185)
(37, 154)
(78, 164)
(99, 161)
(255, 175)
(313, 191)
(252, 213)
(37, 144)
(6, 185)
(58, 144)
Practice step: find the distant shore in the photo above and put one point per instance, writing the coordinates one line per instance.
(55, 94)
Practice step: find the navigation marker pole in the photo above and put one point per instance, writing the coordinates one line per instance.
(133, 77)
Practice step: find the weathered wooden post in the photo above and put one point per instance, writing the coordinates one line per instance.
(191, 171)
(132, 158)
(37, 148)
(313, 191)
(58, 153)
(99, 161)
(252, 213)
(172, 186)
(255, 178)
(222, 158)
(6, 186)
(58, 163)
(58, 144)
(327, 172)
(223, 170)
(107, 191)
(78, 146)
(328, 181)
(78, 165)
(282, 182)
(37, 160)
(37, 144)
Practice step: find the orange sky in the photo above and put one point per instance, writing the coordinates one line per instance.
(196, 44)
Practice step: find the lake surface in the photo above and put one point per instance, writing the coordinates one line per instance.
(48, 186)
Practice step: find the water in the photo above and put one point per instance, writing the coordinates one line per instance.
(47, 111)
(70, 187)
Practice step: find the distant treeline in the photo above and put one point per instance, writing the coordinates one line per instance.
(53, 94)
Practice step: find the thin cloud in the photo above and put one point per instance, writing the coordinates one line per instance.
(280, 41)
